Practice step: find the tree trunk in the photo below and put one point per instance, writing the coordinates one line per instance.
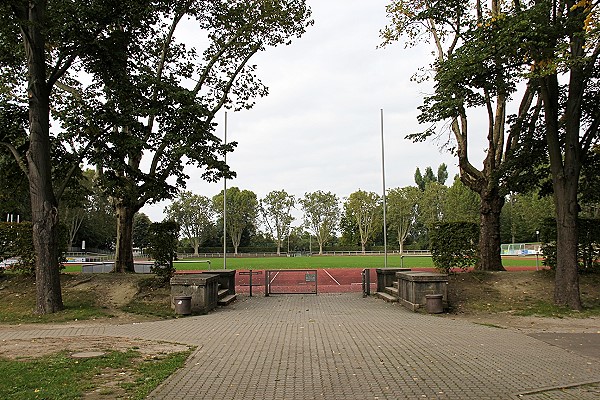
(401, 243)
(362, 246)
(44, 207)
(489, 231)
(196, 247)
(566, 282)
(45, 233)
(236, 238)
(565, 163)
(124, 254)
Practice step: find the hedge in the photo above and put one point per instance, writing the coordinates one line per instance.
(454, 245)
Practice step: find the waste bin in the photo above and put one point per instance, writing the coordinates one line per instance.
(434, 303)
(183, 305)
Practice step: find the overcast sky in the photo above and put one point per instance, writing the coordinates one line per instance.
(319, 127)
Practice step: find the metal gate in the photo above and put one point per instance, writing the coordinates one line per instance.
(291, 281)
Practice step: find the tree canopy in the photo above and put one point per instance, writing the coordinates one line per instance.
(321, 215)
(276, 210)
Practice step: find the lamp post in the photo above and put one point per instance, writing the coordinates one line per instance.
(383, 195)
(225, 201)
(537, 251)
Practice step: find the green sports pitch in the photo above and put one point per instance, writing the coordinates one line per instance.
(320, 262)
(328, 262)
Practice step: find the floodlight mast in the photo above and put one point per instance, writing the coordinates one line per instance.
(384, 195)
(225, 203)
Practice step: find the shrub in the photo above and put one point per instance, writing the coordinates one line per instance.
(16, 240)
(163, 248)
(454, 245)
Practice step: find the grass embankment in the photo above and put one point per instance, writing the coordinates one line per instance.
(122, 372)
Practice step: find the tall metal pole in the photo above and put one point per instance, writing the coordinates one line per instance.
(225, 204)
(384, 195)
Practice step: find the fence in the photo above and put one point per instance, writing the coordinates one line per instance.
(424, 253)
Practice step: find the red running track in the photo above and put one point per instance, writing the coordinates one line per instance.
(337, 280)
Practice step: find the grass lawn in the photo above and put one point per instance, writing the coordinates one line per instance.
(59, 376)
(328, 262)
(318, 262)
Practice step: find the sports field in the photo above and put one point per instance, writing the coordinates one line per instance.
(332, 262)
(322, 262)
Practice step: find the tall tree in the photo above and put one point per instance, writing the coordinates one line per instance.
(44, 39)
(364, 209)
(194, 214)
(566, 65)
(242, 211)
(276, 210)
(321, 215)
(475, 68)
(402, 211)
(423, 180)
(160, 97)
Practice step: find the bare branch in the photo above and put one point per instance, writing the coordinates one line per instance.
(59, 71)
(69, 89)
(17, 156)
(82, 154)
(524, 107)
(161, 63)
(232, 80)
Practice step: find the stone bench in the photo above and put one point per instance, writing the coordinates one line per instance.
(387, 276)
(413, 286)
(203, 289)
(226, 279)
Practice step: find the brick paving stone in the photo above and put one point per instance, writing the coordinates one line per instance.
(343, 346)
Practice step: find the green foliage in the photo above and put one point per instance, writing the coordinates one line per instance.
(163, 248)
(588, 247)
(141, 230)
(14, 193)
(431, 204)
(321, 215)
(194, 214)
(423, 180)
(523, 215)
(276, 211)
(16, 240)
(402, 211)
(454, 245)
(462, 204)
(242, 211)
(588, 186)
(364, 210)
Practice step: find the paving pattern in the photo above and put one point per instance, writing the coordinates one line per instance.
(343, 346)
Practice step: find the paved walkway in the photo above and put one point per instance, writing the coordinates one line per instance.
(343, 346)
